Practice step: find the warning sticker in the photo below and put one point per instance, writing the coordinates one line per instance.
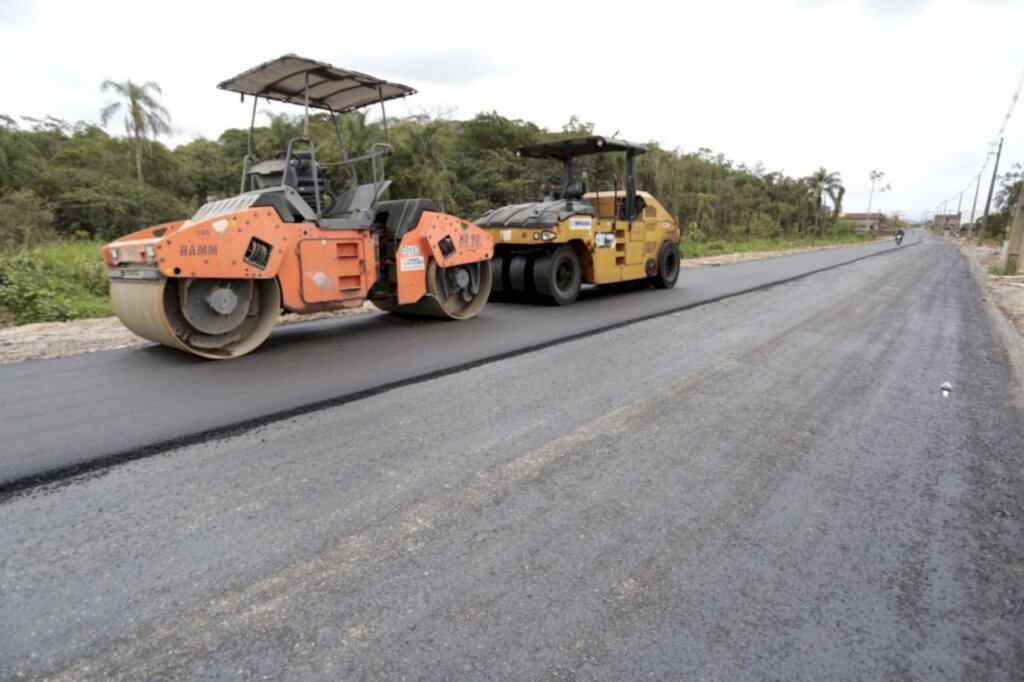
(605, 240)
(412, 250)
(412, 262)
(580, 224)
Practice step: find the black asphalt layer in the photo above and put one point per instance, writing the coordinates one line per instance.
(773, 486)
(62, 414)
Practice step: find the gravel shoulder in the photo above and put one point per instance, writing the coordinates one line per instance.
(60, 339)
(1007, 292)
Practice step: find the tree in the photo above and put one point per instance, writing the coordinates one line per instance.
(144, 116)
(281, 130)
(837, 201)
(419, 168)
(875, 176)
(1009, 186)
(207, 169)
(24, 219)
(821, 182)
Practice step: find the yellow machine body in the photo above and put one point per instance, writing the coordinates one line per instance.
(610, 249)
(547, 248)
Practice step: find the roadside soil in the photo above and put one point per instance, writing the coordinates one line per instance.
(59, 339)
(1007, 292)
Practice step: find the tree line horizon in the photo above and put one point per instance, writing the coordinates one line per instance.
(65, 179)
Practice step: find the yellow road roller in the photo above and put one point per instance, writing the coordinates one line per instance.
(569, 236)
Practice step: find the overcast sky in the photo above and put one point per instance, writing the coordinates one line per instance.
(915, 88)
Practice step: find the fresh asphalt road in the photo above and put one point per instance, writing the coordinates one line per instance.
(770, 486)
(61, 413)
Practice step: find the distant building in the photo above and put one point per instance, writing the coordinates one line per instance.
(947, 221)
(864, 221)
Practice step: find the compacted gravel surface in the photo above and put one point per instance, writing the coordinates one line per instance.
(770, 486)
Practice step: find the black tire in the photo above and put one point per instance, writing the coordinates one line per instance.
(518, 271)
(668, 266)
(497, 275)
(558, 276)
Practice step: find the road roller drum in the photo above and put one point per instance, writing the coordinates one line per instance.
(156, 312)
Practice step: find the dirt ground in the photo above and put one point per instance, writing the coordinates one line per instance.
(58, 339)
(1007, 292)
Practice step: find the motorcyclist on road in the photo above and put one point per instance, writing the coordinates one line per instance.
(899, 235)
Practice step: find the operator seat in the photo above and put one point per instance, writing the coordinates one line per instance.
(401, 215)
(307, 179)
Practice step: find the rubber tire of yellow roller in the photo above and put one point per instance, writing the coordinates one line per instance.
(668, 266)
(140, 307)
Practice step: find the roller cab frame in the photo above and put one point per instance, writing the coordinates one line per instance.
(215, 284)
(547, 248)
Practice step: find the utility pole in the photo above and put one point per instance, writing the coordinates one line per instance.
(974, 206)
(1012, 266)
(959, 202)
(991, 188)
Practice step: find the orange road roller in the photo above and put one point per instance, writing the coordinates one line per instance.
(215, 284)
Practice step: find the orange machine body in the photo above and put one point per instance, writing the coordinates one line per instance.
(214, 285)
(317, 269)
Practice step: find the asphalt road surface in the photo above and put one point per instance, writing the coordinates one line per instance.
(66, 413)
(769, 486)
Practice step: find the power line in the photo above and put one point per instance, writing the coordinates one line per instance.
(1013, 103)
(995, 140)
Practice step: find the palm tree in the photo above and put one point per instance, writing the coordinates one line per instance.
(144, 116)
(822, 182)
(837, 201)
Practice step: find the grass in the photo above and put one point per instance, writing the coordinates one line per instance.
(718, 247)
(55, 281)
(999, 270)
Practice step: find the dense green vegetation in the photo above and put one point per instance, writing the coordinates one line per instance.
(74, 181)
(63, 179)
(1009, 186)
(59, 280)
